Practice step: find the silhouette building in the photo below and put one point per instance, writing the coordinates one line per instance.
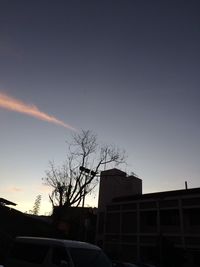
(150, 227)
(115, 183)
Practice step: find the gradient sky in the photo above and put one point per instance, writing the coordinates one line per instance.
(128, 70)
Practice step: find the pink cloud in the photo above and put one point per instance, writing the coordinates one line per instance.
(13, 104)
(15, 189)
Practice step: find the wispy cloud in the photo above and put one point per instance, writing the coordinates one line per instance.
(16, 189)
(12, 189)
(13, 104)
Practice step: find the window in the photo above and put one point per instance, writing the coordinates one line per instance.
(193, 215)
(149, 218)
(129, 222)
(59, 254)
(32, 253)
(113, 222)
(169, 217)
(148, 221)
(89, 257)
(191, 201)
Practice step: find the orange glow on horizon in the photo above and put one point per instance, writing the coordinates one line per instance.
(16, 105)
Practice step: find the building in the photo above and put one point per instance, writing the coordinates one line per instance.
(5, 202)
(151, 227)
(113, 183)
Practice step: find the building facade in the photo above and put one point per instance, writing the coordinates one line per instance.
(152, 227)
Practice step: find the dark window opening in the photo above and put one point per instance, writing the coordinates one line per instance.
(112, 222)
(129, 222)
(169, 217)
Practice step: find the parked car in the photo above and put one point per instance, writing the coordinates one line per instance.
(128, 264)
(48, 252)
(124, 264)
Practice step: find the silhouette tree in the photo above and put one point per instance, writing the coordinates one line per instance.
(36, 206)
(78, 176)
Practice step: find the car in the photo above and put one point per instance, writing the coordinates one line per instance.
(128, 264)
(50, 252)
(124, 264)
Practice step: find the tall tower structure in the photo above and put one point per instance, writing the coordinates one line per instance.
(116, 183)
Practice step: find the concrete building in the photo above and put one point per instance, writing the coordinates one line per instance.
(115, 183)
(155, 227)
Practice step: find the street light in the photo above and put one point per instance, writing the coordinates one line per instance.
(88, 172)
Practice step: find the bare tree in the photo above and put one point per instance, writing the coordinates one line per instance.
(78, 176)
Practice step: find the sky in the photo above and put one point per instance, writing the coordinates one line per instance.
(127, 70)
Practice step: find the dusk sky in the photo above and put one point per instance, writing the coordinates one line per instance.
(129, 70)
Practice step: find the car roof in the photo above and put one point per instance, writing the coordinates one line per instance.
(55, 241)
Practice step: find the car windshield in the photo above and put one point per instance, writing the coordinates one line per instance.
(89, 258)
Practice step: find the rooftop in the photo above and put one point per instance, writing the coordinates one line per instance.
(159, 195)
(4, 201)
